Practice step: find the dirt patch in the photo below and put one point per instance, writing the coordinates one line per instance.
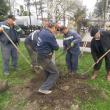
(69, 92)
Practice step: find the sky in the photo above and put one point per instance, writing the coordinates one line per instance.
(89, 4)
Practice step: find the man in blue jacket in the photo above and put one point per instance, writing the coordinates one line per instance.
(46, 44)
(6, 46)
(71, 46)
(30, 44)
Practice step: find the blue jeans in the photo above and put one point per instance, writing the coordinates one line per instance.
(7, 52)
(72, 61)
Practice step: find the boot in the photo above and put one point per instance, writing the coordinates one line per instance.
(108, 76)
(95, 73)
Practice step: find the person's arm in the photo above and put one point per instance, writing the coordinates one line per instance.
(93, 52)
(77, 38)
(1, 31)
(19, 29)
(53, 43)
(3, 28)
(65, 45)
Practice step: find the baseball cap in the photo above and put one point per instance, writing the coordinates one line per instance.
(93, 31)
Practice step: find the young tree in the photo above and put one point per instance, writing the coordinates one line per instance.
(79, 16)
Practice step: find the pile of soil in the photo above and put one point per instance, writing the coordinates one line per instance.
(69, 92)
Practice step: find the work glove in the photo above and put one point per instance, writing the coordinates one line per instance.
(72, 44)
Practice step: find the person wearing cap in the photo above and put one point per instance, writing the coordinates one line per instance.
(7, 49)
(46, 44)
(99, 45)
(71, 46)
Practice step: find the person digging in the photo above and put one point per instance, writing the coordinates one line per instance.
(100, 44)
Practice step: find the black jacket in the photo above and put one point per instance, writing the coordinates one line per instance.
(104, 41)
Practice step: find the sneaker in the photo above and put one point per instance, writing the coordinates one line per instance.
(44, 91)
(6, 73)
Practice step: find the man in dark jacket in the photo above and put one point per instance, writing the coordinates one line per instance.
(71, 46)
(46, 44)
(6, 46)
(30, 44)
(99, 45)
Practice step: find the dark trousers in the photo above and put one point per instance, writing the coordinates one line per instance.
(50, 71)
(96, 56)
(9, 51)
(32, 54)
(72, 61)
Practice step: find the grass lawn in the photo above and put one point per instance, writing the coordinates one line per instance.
(24, 74)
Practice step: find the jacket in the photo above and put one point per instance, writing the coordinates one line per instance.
(12, 32)
(72, 37)
(104, 41)
(32, 39)
(46, 43)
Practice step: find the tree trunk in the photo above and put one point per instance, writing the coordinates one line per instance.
(64, 18)
(78, 27)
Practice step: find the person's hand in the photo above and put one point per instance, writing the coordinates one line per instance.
(72, 44)
(1, 29)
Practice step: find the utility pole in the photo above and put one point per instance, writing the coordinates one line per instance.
(13, 7)
(28, 7)
(36, 6)
(41, 9)
(105, 10)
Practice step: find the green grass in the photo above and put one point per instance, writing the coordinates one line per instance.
(24, 74)
(15, 78)
(59, 36)
(85, 62)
